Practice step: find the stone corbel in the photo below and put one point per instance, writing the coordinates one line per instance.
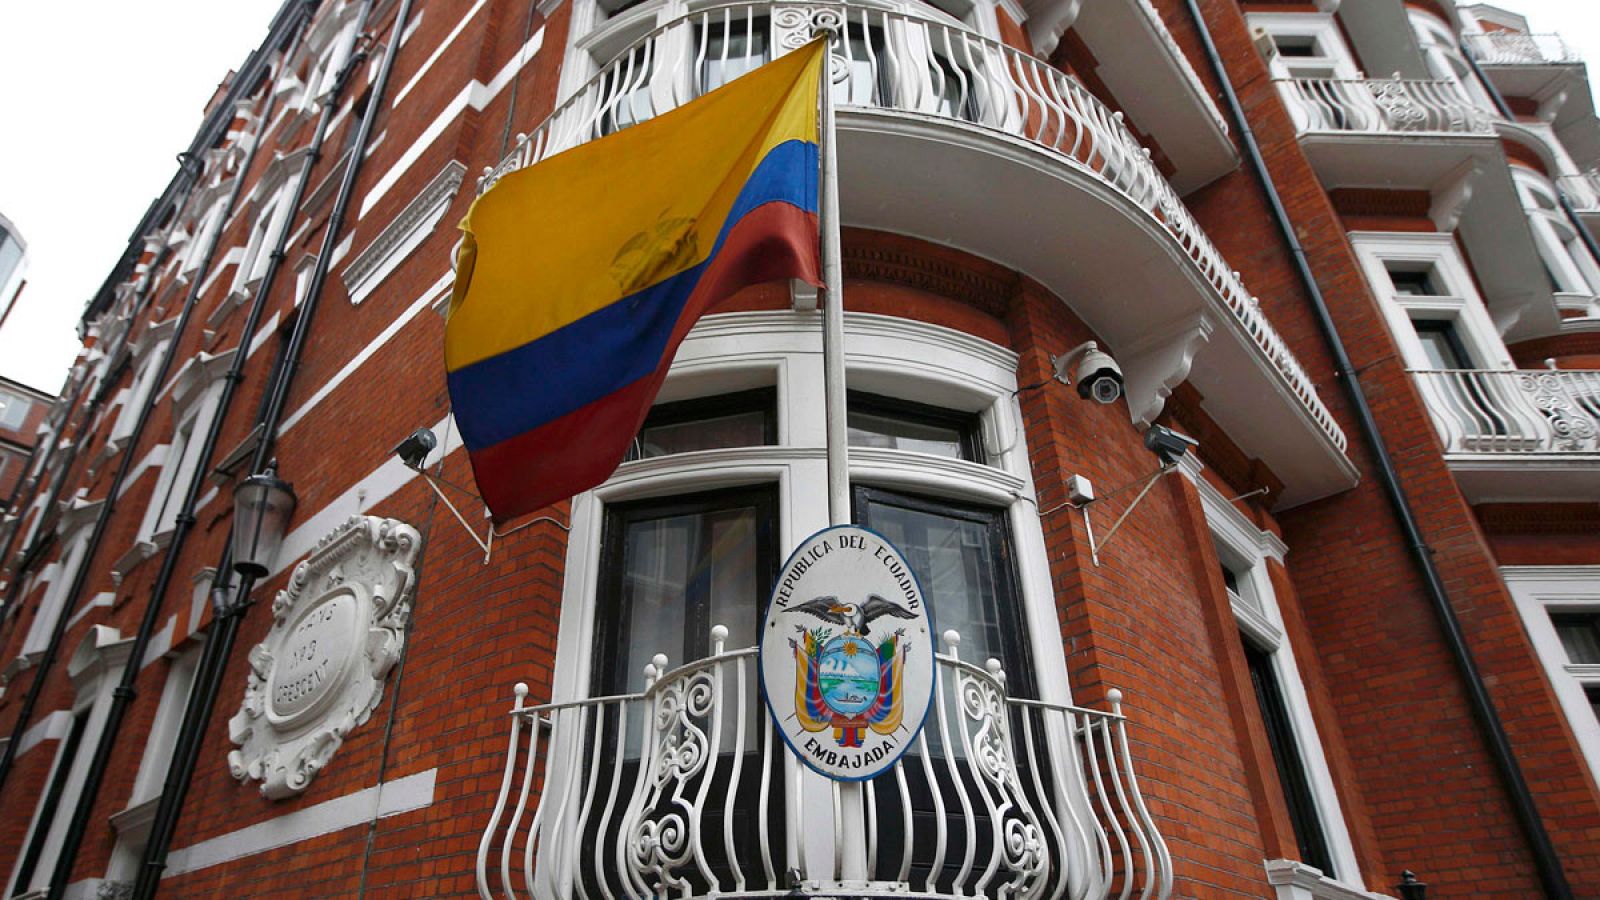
(1507, 314)
(1048, 20)
(1328, 6)
(1451, 196)
(1550, 103)
(138, 553)
(1159, 362)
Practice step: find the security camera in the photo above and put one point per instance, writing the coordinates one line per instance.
(414, 450)
(1169, 446)
(1097, 375)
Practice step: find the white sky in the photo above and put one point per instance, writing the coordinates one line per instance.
(99, 97)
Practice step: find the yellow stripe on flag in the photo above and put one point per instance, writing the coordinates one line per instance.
(521, 276)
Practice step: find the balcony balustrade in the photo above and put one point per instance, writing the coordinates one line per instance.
(1515, 48)
(1383, 106)
(685, 790)
(928, 70)
(1582, 190)
(1512, 412)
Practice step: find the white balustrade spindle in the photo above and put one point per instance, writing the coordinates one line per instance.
(1517, 411)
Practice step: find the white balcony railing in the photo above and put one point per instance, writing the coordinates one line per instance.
(1515, 48)
(1537, 411)
(915, 65)
(1383, 106)
(1582, 189)
(684, 790)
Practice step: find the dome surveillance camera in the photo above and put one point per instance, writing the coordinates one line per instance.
(1099, 377)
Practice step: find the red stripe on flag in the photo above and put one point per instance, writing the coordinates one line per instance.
(581, 449)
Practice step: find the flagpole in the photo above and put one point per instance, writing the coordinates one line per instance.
(833, 312)
(852, 812)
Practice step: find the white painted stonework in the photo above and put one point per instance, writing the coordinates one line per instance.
(337, 630)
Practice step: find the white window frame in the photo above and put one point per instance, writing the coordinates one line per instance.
(1244, 549)
(95, 669)
(1460, 304)
(885, 355)
(1575, 271)
(53, 605)
(10, 403)
(1539, 591)
(1441, 53)
(271, 218)
(138, 392)
(196, 393)
(1333, 59)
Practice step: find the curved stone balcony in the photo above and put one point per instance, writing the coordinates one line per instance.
(686, 790)
(956, 138)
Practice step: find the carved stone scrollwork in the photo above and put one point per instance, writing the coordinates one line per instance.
(337, 630)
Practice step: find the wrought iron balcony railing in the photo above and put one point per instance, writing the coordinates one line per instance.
(1383, 106)
(1517, 411)
(685, 790)
(1515, 48)
(914, 65)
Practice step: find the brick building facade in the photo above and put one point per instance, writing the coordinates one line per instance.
(1354, 631)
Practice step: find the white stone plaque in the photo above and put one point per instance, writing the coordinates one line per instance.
(847, 653)
(337, 630)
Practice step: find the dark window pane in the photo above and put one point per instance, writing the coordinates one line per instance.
(744, 419)
(1297, 795)
(1295, 44)
(1580, 635)
(889, 424)
(732, 48)
(1442, 344)
(962, 560)
(1593, 693)
(1414, 283)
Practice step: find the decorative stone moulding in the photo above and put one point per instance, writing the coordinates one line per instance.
(337, 630)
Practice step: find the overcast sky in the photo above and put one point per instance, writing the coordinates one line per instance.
(97, 99)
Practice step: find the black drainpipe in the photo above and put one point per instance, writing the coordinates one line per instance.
(122, 695)
(1561, 196)
(225, 629)
(1544, 852)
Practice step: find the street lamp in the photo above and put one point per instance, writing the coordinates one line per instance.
(262, 505)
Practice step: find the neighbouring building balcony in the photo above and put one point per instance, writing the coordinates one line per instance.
(944, 134)
(1583, 192)
(1387, 106)
(685, 790)
(1519, 434)
(1516, 48)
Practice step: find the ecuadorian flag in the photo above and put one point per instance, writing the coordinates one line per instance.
(578, 277)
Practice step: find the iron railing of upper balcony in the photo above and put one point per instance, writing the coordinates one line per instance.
(910, 64)
(1516, 48)
(1582, 190)
(684, 790)
(1383, 105)
(1515, 411)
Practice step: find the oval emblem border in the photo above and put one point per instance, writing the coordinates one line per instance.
(926, 700)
